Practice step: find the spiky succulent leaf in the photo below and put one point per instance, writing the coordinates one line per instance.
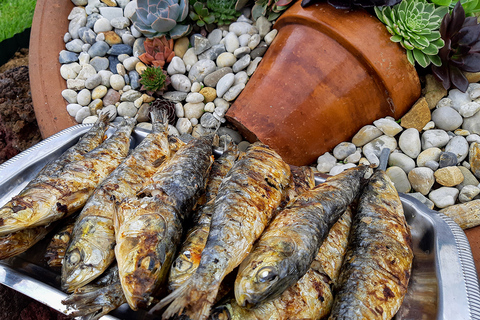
(154, 79)
(223, 10)
(461, 51)
(201, 15)
(414, 24)
(159, 17)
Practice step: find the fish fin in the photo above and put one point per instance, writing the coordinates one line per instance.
(159, 161)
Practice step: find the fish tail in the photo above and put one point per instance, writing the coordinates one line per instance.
(103, 118)
(159, 119)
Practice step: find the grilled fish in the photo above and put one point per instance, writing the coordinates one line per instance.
(245, 203)
(311, 297)
(92, 248)
(189, 255)
(97, 299)
(376, 270)
(148, 230)
(58, 246)
(56, 197)
(18, 242)
(286, 249)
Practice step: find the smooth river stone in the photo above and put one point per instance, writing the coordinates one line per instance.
(474, 159)
(365, 135)
(421, 179)
(449, 176)
(466, 215)
(399, 179)
(444, 197)
(409, 142)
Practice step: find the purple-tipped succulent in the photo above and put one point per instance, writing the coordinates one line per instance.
(461, 51)
(154, 18)
(350, 4)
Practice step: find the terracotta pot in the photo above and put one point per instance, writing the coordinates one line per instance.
(327, 73)
(46, 41)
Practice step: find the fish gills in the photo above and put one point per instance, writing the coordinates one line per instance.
(311, 297)
(376, 270)
(92, 248)
(288, 246)
(58, 246)
(245, 203)
(148, 230)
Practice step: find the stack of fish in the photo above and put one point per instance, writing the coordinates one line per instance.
(260, 240)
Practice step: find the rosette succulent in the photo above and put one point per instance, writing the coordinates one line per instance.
(165, 106)
(350, 4)
(154, 18)
(461, 51)
(469, 6)
(154, 80)
(157, 51)
(200, 14)
(223, 10)
(415, 25)
(271, 9)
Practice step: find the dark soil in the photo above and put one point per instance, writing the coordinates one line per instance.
(18, 132)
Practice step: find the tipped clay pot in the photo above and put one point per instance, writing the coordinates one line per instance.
(328, 73)
(46, 41)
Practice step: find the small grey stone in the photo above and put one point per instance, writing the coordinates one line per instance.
(244, 18)
(67, 56)
(473, 138)
(420, 197)
(447, 118)
(183, 126)
(432, 165)
(388, 126)
(215, 36)
(105, 74)
(93, 81)
(467, 193)
(212, 79)
(201, 44)
(117, 49)
(208, 120)
(428, 155)
(128, 39)
(194, 97)
(73, 108)
(444, 197)
(70, 95)
(75, 84)
(231, 42)
(136, 33)
(373, 149)
(224, 84)
(176, 96)
(117, 82)
(82, 114)
(468, 178)
(86, 47)
(102, 25)
(100, 37)
(241, 64)
(138, 48)
(130, 63)
(70, 70)
(458, 145)
(264, 26)
(193, 110)
(343, 150)
(111, 98)
(75, 45)
(326, 162)
(84, 97)
(83, 58)
(401, 160)
(444, 102)
(91, 19)
(239, 28)
(447, 159)
(233, 92)
(75, 24)
(123, 57)
(123, 3)
(134, 79)
(126, 109)
(176, 66)
(469, 109)
(76, 11)
(399, 179)
(421, 179)
(67, 37)
(340, 168)
(458, 98)
(259, 51)
(181, 82)
(98, 49)
(129, 9)
(87, 35)
(121, 69)
(243, 40)
(254, 41)
(434, 138)
(120, 22)
(86, 72)
(243, 145)
(112, 64)
(110, 13)
(354, 157)
(213, 52)
(365, 135)
(201, 69)
(240, 77)
(130, 95)
(190, 58)
(253, 66)
(409, 142)
(236, 137)
(472, 124)
(269, 37)
(143, 113)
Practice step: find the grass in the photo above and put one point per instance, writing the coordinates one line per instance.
(15, 16)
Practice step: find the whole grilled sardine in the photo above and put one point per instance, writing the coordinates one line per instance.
(97, 299)
(148, 230)
(311, 297)
(92, 248)
(376, 270)
(245, 203)
(19, 241)
(189, 255)
(56, 197)
(58, 246)
(295, 236)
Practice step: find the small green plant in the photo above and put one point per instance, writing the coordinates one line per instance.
(469, 6)
(200, 14)
(15, 16)
(154, 80)
(415, 25)
(271, 9)
(154, 18)
(223, 10)
(350, 4)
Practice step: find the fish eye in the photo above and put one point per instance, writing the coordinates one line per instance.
(74, 257)
(182, 265)
(267, 274)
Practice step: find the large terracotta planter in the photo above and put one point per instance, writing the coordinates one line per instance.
(328, 73)
(46, 41)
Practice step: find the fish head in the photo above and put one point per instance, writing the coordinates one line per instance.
(266, 272)
(221, 313)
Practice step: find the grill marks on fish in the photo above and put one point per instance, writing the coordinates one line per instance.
(244, 205)
(19, 241)
(295, 235)
(189, 255)
(71, 188)
(149, 229)
(376, 269)
(94, 236)
(311, 297)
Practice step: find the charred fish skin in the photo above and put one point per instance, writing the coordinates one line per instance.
(189, 255)
(311, 297)
(92, 248)
(376, 270)
(148, 230)
(58, 246)
(288, 246)
(60, 196)
(96, 300)
(245, 203)
(20, 241)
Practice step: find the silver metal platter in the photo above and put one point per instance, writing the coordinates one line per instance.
(443, 285)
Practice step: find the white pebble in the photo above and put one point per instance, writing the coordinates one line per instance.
(81, 114)
(84, 97)
(90, 119)
(117, 82)
(196, 87)
(444, 197)
(73, 108)
(210, 107)
(179, 110)
(269, 37)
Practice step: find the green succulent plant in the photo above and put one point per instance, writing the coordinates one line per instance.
(470, 6)
(201, 15)
(154, 18)
(223, 10)
(154, 80)
(271, 9)
(415, 25)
